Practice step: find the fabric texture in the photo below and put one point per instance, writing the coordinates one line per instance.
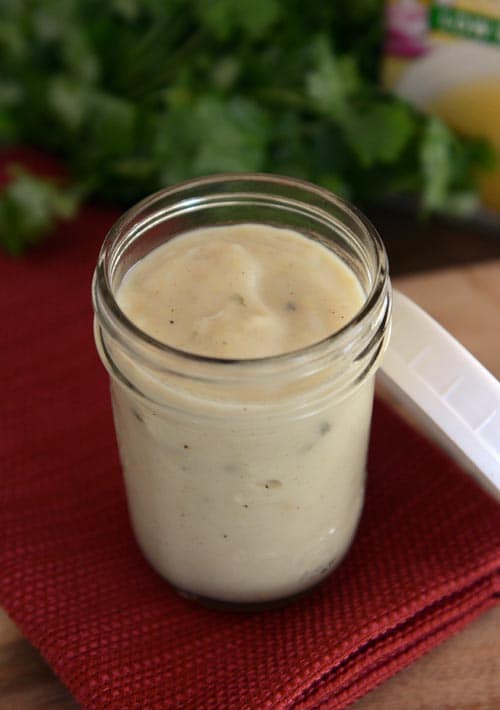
(425, 561)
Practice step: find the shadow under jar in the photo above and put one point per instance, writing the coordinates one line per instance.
(245, 478)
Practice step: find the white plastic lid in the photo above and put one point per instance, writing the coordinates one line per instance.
(453, 397)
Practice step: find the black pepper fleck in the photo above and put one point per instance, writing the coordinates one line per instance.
(273, 483)
(238, 298)
(186, 446)
(324, 428)
(290, 306)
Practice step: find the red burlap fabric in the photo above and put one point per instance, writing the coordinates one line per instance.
(425, 561)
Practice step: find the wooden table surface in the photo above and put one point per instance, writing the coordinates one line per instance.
(464, 672)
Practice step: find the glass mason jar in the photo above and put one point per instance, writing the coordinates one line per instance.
(245, 478)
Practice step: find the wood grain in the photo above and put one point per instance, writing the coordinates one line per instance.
(26, 682)
(461, 674)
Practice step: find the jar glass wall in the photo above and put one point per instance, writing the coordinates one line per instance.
(245, 479)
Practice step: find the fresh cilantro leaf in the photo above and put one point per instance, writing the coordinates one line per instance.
(332, 82)
(448, 164)
(8, 128)
(378, 133)
(252, 17)
(111, 125)
(135, 94)
(68, 100)
(127, 9)
(211, 135)
(436, 161)
(460, 204)
(29, 209)
(233, 135)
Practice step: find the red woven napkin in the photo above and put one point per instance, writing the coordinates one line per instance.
(425, 561)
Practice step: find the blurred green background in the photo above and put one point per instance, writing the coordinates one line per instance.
(134, 95)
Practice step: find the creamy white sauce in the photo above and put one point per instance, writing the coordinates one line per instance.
(243, 291)
(261, 504)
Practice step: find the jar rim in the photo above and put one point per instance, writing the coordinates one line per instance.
(115, 317)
